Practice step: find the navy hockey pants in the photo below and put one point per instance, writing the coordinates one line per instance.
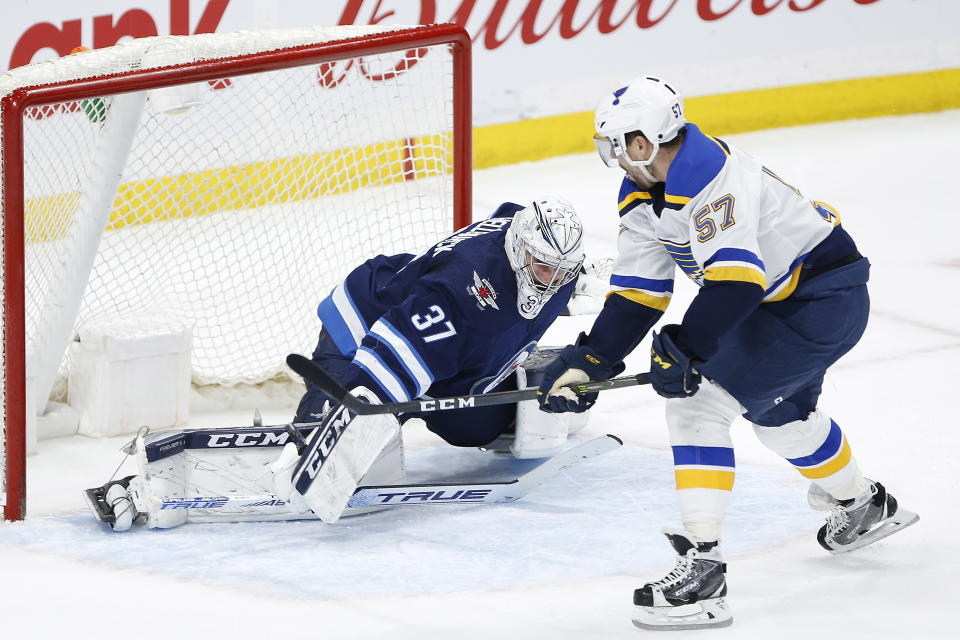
(773, 363)
(472, 427)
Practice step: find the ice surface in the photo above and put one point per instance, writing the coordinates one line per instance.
(562, 562)
(572, 528)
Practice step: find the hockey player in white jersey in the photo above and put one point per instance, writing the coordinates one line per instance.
(782, 297)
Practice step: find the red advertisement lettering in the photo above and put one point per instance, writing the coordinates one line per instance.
(208, 22)
(42, 35)
(644, 21)
(603, 11)
(109, 29)
(569, 18)
(763, 7)
(135, 23)
(796, 7)
(706, 12)
(331, 74)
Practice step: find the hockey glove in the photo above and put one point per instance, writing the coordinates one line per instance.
(576, 363)
(671, 370)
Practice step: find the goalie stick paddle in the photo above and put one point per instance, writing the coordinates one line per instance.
(310, 370)
(482, 493)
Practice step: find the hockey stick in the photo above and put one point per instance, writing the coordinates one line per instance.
(312, 371)
(486, 493)
(398, 495)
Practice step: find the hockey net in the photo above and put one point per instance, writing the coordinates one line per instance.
(225, 180)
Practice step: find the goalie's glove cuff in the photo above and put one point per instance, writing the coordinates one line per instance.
(577, 363)
(672, 372)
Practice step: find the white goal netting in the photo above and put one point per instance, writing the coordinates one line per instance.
(233, 205)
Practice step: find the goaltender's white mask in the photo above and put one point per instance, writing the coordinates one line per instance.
(545, 247)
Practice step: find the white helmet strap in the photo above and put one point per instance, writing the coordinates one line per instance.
(640, 164)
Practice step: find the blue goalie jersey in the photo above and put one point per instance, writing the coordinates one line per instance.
(442, 323)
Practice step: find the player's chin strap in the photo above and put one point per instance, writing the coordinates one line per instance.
(646, 173)
(312, 371)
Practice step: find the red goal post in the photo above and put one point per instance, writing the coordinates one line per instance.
(330, 184)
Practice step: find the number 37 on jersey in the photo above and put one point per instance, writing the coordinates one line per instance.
(433, 325)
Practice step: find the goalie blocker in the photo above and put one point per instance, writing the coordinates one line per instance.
(215, 475)
(322, 476)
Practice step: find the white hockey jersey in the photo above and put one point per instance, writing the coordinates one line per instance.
(720, 216)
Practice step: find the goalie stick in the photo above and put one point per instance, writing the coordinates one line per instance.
(387, 495)
(310, 370)
(482, 493)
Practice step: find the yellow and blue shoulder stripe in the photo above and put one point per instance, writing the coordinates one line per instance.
(631, 197)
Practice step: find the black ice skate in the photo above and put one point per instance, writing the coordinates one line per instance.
(863, 520)
(691, 596)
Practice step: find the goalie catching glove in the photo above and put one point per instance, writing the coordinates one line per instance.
(338, 454)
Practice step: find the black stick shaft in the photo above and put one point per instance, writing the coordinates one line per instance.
(311, 371)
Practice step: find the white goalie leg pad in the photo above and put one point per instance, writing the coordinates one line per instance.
(390, 465)
(388, 469)
(340, 453)
(540, 434)
(282, 469)
(156, 481)
(191, 476)
(221, 475)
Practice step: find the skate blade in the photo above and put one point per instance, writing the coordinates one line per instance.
(708, 613)
(900, 520)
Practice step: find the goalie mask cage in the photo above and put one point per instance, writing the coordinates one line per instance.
(228, 181)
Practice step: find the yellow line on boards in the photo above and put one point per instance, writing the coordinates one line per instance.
(248, 186)
(296, 178)
(737, 112)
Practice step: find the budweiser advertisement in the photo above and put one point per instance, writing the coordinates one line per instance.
(536, 58)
